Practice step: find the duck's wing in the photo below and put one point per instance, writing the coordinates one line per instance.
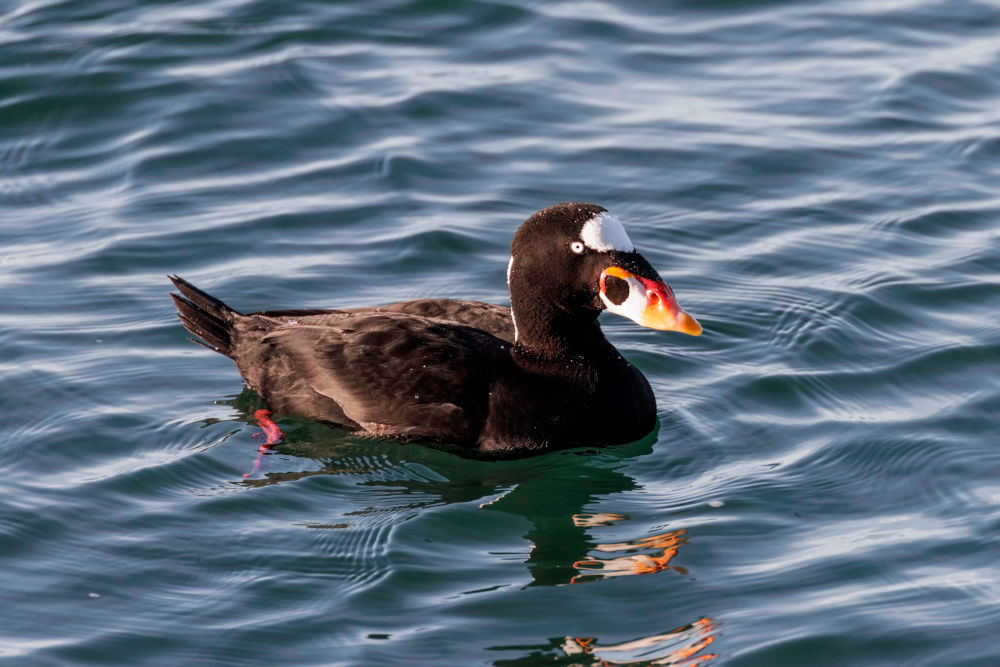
(488, 317)
(392, 373)
(491, 318)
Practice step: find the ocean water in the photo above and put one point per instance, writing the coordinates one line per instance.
(819, 182)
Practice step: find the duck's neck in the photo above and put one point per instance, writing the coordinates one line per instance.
(551, 322)
(545, 331)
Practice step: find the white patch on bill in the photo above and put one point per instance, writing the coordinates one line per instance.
(605, 232)
(634, 306)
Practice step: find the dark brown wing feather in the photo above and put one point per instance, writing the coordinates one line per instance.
(390, 373)
(488, 317)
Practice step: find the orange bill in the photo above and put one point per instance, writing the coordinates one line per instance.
(649, 303)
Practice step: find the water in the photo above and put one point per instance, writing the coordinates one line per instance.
(817, 181)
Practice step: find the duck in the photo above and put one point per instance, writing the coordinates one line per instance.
(488, 379)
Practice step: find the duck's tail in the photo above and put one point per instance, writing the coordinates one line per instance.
(204, 316)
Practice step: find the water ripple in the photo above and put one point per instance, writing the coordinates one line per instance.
(817, 181)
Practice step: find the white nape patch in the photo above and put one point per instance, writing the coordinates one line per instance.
(510, 267)
(605, 232)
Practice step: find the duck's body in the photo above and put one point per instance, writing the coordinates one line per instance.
(463, 372)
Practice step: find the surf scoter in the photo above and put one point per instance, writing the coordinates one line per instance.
(534, 377)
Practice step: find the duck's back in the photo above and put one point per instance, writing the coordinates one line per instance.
(487, 317)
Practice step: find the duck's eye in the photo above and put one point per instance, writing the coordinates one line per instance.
(577, 247)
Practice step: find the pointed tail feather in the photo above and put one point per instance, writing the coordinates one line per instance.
(204, 316)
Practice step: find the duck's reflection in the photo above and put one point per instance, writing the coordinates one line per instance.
(562, 549)
(680, 646)
(552, 492)
(645, 555)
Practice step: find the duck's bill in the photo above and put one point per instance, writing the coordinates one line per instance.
(649, 303)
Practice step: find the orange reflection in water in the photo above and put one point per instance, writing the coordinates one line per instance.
(679, 646)
(643, 556)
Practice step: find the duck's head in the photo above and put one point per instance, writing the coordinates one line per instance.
(571, 261)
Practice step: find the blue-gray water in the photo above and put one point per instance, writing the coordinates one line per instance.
(819, 182)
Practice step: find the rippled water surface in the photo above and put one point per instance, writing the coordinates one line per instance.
(819, 182)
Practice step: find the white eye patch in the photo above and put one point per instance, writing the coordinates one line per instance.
(577, 247)
(605, 232)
